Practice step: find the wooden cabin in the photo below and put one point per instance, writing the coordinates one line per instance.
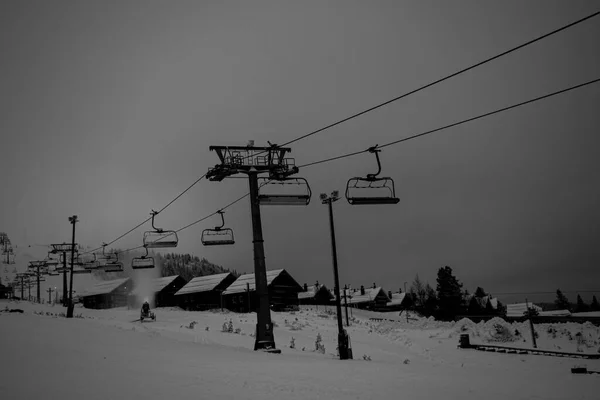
(159, 293)
(204, 292)
(107, 294)
(366, 298)
(315, 295)
(241, 296)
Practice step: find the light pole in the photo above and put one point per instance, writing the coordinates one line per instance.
(73, 220)
(343, 339)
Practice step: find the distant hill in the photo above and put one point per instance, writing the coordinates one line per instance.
(184, 265)
(188, 266)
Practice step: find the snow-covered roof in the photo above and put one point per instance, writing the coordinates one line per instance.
(241, 284)
(354, 296)
(555, 313)
(203, 283)
(494, 303)
(105, 287)
(397, 299)
(158, 284)
(519, 309)
(312, 292)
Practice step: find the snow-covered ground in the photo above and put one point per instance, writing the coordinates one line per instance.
(106, 354)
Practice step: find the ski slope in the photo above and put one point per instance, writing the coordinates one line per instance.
(105, 354)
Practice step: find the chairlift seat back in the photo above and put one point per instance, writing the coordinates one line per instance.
(142, 263)
(371, 191)
(284, 192)
(217, 237)
(163, 239)
(113, 267)
(82, 271)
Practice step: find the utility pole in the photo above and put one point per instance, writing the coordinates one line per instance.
(37, 265)
(246, 160)
(22, 277)
(531, 324)
(63, 248)
(73, 220)
(346, 304)
(343, 339)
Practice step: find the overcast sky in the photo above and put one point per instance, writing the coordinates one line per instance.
(107, 110)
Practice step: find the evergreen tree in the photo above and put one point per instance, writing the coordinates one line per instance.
(562, 303)
(479, 292)
(581, 306)
(595, 306)
(431, 302)
(449, 293)
(418, 289)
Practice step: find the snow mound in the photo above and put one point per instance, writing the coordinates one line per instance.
(465, 325)
(498, 330)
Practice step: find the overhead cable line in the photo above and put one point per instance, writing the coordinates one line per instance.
(403, 140)
(392, 101)
(530, 42)
(457, 123)
(149, 218)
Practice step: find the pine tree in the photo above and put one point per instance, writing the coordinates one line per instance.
(595, 306)
(479, 292)
(418, 289)
(431, 301)
(449, 293)
(561, 301)
(581, 306)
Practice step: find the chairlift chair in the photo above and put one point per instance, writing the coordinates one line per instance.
(81, 271)
(159, 238)
(298, 196)
(88, 263)
(219, 235)
(371, 190)
(143, 262)
(106, 258)
(113, 266)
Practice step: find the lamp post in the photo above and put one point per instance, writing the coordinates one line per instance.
(343, 339)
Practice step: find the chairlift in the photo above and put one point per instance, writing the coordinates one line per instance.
(89, 262)
(371, 190)
(159, 238)
(143, 262)
(106, 258)
(81, 271)
(219, 235)
(53, 272)
(289, 192)
(113, 266)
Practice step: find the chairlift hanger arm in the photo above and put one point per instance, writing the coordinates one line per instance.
(221, 212)
(154, 214)
(375, 150)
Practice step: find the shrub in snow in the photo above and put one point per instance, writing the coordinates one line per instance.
(464, 325)
(407, 361)
(237, 331)
(366, 357)
(228, 326)
(499, 330)
(319, 346)
(292, 343)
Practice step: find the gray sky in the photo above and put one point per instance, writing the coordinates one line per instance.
(108, 109)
